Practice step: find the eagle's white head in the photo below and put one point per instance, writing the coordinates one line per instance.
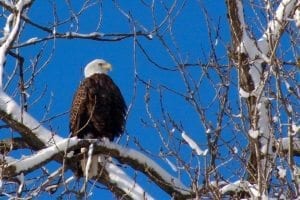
(97, 66)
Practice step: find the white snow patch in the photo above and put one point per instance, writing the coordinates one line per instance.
(216, 42)
(118, 176)
(6, 28)
(22, 3)
(70, 154)
(281, 172)
(295, 128)
(208, 131)
(54, 31)
(255, 192)
(235, 150)
(263, 121)
(240, 185)
(21, 185)
(285, 142)
(243, 93)
(32, 40)
(192, 144)
(289, 108)
(205, 152)
(255, 50)
(218, 183)
(7, 159)
(232, 187)
(141, 158)
(237, 115)
(89, 162)
(253, 134)
(172, 130)
(42, 155)
(287, 85)
(26, 94)
(264, 148)
(266, 145)
(275, 119)
(255, 72)
(297, 17)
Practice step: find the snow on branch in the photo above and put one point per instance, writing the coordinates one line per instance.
(33, 132)
(129, 186)
(116, 179)
(297, 17)
(11, 30)
(273, 31)
(36, 160)
(285, 10)
(242, 186)
(193, 144)
(285, 142)
(140, 162)
(258, 50)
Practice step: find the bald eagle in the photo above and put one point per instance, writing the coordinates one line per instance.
(98, 109)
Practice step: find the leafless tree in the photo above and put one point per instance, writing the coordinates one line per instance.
(224, 119)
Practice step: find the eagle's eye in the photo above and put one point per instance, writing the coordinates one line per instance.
(100, 64)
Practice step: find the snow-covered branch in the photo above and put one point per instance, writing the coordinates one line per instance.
(38, 159)
(38, 137)
(193, 145)
(284, 143)
(133, 158)
(250, 56)
(32, 131)
(242, 187)
(273, 32)
(124, 182)
(260, 49)
(11, 30)
(140, 162)
(116, 175)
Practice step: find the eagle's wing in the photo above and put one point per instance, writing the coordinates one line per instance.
(78, 109)
(108, 108)
(119, 108)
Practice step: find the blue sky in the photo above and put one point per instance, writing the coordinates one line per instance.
(60, 78)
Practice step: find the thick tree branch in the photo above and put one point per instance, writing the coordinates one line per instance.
(142, 163)
(37, 137)
(246, 84)
(251, 55)
(32, 132)
(133, 158)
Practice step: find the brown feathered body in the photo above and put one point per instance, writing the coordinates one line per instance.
(98, 111)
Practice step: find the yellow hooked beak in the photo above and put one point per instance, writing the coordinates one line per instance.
(107, 67)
